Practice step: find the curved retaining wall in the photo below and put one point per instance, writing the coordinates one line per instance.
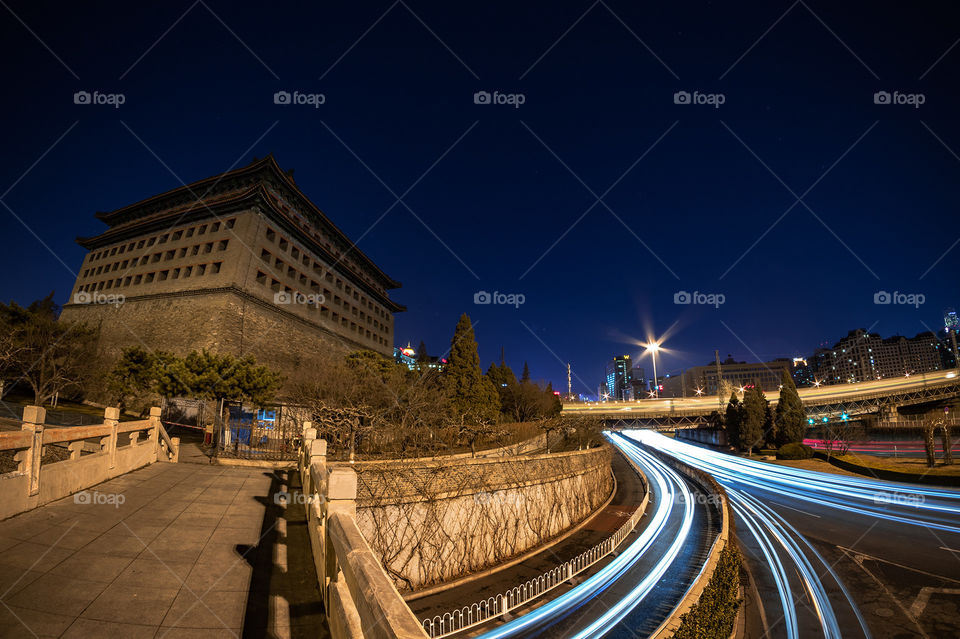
(435, 520)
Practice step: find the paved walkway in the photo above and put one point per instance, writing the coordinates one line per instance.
(193, 550)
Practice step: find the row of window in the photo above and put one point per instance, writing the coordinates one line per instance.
(338, 319)
(301, 258)
(322, 239)
(282, 268)
(173, 236)
(196, 249)
(194, 270)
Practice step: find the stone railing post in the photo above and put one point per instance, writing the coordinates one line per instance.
(341, 497)
(155, 430)
(111, 418)
(33, 418)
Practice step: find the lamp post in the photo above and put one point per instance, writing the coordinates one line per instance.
(652, 348)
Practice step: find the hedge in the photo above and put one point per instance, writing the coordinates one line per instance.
(714, 615)
(795, 450)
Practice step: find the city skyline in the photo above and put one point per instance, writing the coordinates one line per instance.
(760, 224)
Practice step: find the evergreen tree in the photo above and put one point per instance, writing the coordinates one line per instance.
(789, 418)
(526, 373)
(473, 396)
(422, 357)
(757, 419)
(733, 420)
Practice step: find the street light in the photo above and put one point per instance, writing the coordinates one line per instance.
(652, 348)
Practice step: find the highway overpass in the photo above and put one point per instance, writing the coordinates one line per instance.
(880, 397)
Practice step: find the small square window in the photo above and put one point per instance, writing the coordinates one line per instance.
(215, 267)
(231, 222)
(202, 229)
(215, 227)
(137, 279)
(201, 269)
(190, 232)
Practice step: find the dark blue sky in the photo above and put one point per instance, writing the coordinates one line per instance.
(686, 189)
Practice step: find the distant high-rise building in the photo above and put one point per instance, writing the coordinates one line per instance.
(950, 320)
(863, 356)
(704, 378)
(619, 375)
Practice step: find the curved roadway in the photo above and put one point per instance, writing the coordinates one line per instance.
(839, 556)
(636, 591)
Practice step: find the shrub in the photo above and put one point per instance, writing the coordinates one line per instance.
(795, 450)
(712, 617)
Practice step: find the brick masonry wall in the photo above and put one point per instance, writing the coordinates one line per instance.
(431, 522)
(221, 322)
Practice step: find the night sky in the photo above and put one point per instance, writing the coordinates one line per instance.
(597, 199)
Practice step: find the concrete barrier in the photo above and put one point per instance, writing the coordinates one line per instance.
(35, 483)
(694, 592)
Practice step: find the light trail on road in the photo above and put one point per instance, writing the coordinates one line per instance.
(671, 490)
(798, 571)
(905, 503)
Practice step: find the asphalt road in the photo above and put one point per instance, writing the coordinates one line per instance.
(840, 556)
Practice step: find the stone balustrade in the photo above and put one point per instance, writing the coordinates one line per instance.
(360, 599)
(96, 453)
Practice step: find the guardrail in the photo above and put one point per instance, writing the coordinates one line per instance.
(484, 611)
(359, 597)
(95, 455)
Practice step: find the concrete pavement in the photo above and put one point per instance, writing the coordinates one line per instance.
(170, 550)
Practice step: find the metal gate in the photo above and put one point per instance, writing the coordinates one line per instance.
(244, 431)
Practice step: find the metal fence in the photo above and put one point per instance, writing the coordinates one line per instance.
(483, 611)
(247, 432)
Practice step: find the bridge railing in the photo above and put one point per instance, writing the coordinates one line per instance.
(361, 600)
(94, 454)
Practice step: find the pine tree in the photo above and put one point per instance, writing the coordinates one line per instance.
(789, 417)
(733, 421)
(526, 373)
(472, 395)
(757, 418)
(422, 357)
